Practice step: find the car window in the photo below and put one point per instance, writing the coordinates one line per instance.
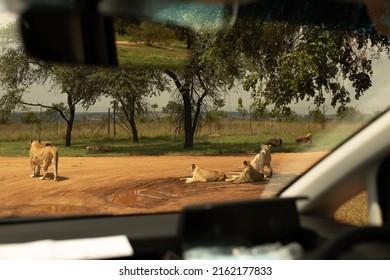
(197, 116)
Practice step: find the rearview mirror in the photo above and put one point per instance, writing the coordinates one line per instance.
(84, 37)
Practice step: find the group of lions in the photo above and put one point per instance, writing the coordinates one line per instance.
(43, 154)
(252, 171)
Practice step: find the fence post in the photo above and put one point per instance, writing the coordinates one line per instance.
(114, 118)
(40, 122)
(108, 121)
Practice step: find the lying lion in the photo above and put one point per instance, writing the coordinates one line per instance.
(307, 138)
(249, 174)
(201, 175)
(43, 154)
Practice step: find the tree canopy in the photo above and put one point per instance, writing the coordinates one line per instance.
(287, 64)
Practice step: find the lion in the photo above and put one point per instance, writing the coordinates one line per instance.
(274, 142)
(263, 158)
(43, 154)
(201, 175)
(307, 138)
(249, 174)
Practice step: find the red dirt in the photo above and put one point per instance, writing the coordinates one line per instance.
(138, 184)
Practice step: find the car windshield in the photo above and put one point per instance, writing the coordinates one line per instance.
(192, 115)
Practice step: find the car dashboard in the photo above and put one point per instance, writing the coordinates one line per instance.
(160, 236)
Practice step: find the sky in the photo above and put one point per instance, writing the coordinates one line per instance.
(5, 17)
(376, 98)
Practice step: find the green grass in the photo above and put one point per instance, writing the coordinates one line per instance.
(138, 55)
(121, 146)
(159, 138)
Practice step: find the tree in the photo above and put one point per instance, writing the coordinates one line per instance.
(241, 110)
(259, 111)
(292, 63)
(154, 114)
(209, 73)
(350, 114)
(130, 88)
(175, 112)
(154, 107)
(143, 31)
(52, 115)
(318, 116)
(80, 87)
(8, 104)
(78, 83)
(214, 118)
(19, 71)
(285, 114)
(152, 33)
(13, 71)
(30, 118)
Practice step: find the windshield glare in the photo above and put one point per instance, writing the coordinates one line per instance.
(200, 117)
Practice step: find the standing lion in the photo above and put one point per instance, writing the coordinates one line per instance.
(43, 154)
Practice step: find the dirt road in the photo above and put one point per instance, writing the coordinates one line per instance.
(137, 184)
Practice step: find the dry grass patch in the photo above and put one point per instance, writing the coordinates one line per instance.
(354, 211)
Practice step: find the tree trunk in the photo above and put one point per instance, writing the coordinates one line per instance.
(133, 127)
(130, 117)
(190, 40)
(185, 93)
(69, 127)
(188, 129)
(198, 106)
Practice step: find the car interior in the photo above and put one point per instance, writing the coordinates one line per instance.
(302, 212)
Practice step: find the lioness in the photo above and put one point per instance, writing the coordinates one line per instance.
(248, 175)
(307, 138)
(263, 158)
(43, 153)
(274, 141)
(199, 174)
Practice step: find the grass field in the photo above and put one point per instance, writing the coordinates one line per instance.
(139, 55)
(160, 138)
(354, 211)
